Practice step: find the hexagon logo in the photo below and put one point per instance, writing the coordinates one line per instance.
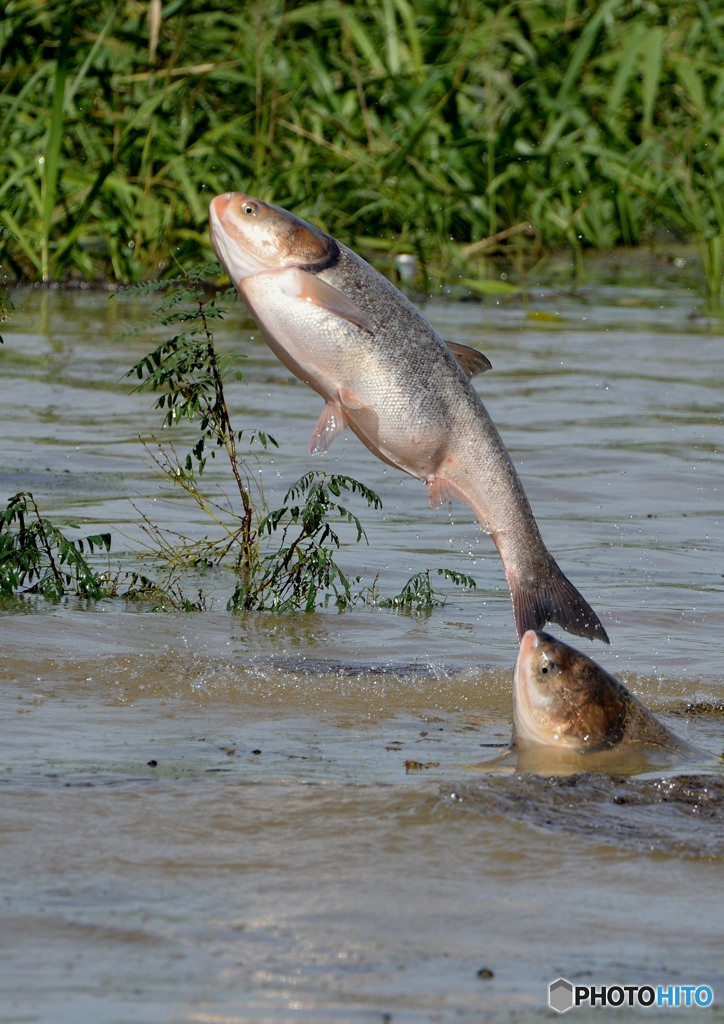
(560, 995)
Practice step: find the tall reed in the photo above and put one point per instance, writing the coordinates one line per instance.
(426, 127)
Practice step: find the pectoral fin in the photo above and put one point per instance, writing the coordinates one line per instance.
(330, 423)
(472, 361)
(299, 284)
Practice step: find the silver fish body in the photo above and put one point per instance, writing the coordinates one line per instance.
(347, 332)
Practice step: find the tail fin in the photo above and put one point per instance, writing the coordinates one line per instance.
(556, 601)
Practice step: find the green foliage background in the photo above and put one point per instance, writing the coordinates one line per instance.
(426, 126)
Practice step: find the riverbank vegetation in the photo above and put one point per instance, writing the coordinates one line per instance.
(454, 130)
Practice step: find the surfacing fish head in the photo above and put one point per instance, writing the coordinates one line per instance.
(563, 698)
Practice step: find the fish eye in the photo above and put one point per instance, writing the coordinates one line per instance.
(248, 208)
(548, 666)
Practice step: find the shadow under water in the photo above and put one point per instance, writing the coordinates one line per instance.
(666, 814)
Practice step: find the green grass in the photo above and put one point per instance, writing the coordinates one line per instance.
(423, 127)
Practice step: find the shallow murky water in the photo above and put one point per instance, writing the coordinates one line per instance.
(221, 818)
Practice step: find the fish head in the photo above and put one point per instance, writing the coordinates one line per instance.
(250, 236)
(562, 698)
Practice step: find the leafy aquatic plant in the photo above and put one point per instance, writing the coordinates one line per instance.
(36, 557)
(419, 594)
(299, 571)
(187, 374)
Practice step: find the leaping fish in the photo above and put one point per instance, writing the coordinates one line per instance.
(383, 372)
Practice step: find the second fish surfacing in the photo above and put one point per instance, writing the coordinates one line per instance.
(383, 372)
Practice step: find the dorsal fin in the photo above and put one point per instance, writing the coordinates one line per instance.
(472, 361)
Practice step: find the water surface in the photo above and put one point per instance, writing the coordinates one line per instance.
(209, 817)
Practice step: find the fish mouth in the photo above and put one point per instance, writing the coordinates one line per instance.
(234, 252)
(524, 718)
(534, 711)
(217, 209)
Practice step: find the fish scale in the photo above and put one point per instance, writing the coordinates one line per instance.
(345, 330)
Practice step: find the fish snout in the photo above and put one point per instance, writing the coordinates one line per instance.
(236, 249)
(528, 643)
(219, 204)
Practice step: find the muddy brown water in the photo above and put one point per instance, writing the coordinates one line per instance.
(216, 818)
